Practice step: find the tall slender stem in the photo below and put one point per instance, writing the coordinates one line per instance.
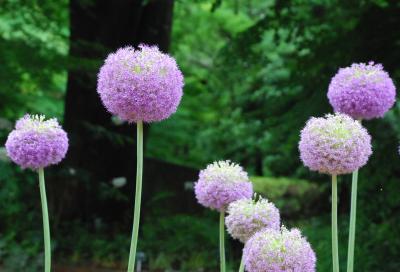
(241, 268)
(353, 215)
(335, 250)
(352, 230)
(222, 240)
(138, 197)
(46, 225)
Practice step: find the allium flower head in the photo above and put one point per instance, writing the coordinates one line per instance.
(363, 91)
(36, 143)
(282, 250)
(140, 85)
(247, 216)
(221, 183)
(334, 145)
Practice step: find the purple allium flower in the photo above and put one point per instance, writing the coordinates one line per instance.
(247, 216)
(363, 91)
(36, 143)
(272, 250)
(140, 85)
(334, 145)
(221, 183)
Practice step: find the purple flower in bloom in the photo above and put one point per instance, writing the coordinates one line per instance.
(334, 145)
(140, 85)
(247, 216)
(282, 250)
(363, 91)
(36, 143)
(221, 183)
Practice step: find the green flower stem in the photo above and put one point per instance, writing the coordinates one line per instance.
(353, 215)
(138, 197)
(46, 225)
(335, 250)
(352, 230)
(222, 240)
(241, 268)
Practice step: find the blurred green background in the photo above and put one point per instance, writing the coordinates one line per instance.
(255, 71)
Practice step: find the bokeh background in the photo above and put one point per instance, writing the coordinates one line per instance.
(255, 71)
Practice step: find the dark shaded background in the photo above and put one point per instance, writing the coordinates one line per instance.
(255, 71)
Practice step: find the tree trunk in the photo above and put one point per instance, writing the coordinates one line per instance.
(100, 149)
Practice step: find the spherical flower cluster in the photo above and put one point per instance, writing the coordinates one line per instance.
(363, 91)
(247, 216)
(140, 85)
(282, 250)
(334, 145)
(221, 183)
(36, 143)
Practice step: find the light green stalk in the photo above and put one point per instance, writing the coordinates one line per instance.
(222, 240)
(353, 215)
(352, 228)
(138, 197)
(335, 250)
(241, 268)
(46, 225)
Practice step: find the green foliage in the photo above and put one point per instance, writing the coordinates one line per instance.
(196, 55)
(20, 242)
(254, 73)
(276, 188)
(189, 242)
(291, 196)
(33, 42)
(317, 230)
(79, 244)
(262, 85)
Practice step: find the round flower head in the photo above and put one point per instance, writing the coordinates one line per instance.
(140, 85)
(247, 216)
(363, 91)
(36, 143)
(334, 145)
(282, 250)
(221, 183)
